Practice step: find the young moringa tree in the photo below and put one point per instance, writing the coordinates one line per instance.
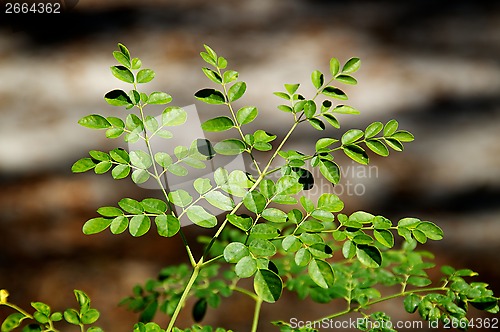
(272, 231)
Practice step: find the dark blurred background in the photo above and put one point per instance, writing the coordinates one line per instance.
(433, 65)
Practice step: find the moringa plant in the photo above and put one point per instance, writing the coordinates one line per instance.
(266, 226)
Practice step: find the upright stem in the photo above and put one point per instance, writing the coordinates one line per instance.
(256, 314)
(184, 296)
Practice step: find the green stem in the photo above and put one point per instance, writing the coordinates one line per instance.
(256, 315)
(15, 307)
(237, 125)
(382, 299)
(184, 295)
(246, 292)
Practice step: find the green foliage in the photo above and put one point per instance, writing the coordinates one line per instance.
(43, 319)
(270, 229)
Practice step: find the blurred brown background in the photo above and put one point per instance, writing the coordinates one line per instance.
(433, 65)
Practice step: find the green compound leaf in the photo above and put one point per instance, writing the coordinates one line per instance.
(351, 136)
(167, 225)
(122, 58)
(96, 225)
(324, 143)
(139, 225)
(90, 316)
(230, 147)
(430, 230)
(348, 249)
(145, 76)
(180, 198)
(230, 76)
(154, 205)
(212, 75)
(221, 123)
(120, 155)
(120, 172)
(140, 176)
(219, 200)
(274, 215)
(292, 88)
(378, 147)
(236, 91)
(254, 201)
(210, 96)
(346, 79)
(321, 273)
(262, 248)
(140, 159)
(235, 251)
(317, 79)
(356, 153)
(151, 124)
(302, 257)
(309, 109)
(390, 128)
(291, 243)
(163, 159)
(330, 171)
(361, 217)
(201, 217)
(334, 66)
(288, 185)
(173, 116)
(411, 303)
(12, 321)
(41, 308)
(384, 237)
(159, 98)
(103, 167)
(135, 96)
(240, 222)
(94, 121)
(131, 206)
(118, 98)
(330, 202)
(136, 63)
(246, 267)
(316, 124)
(373, 129)
(268, 285)
(202, 185)
(122, 73)
(351, 66)
(403, 136)
(72, 316)
(368, 255)
(83, 165)
(99, 155)
(124, 50)
(332, 120)
(246, 114)
(119, 225)
(109, 211)
(323, 215)
(333, 92)
(344, 109)
(394, 144)
(264, 231)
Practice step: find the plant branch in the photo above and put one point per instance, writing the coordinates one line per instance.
(382, 299)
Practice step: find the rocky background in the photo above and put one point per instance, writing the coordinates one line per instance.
(433, 65)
